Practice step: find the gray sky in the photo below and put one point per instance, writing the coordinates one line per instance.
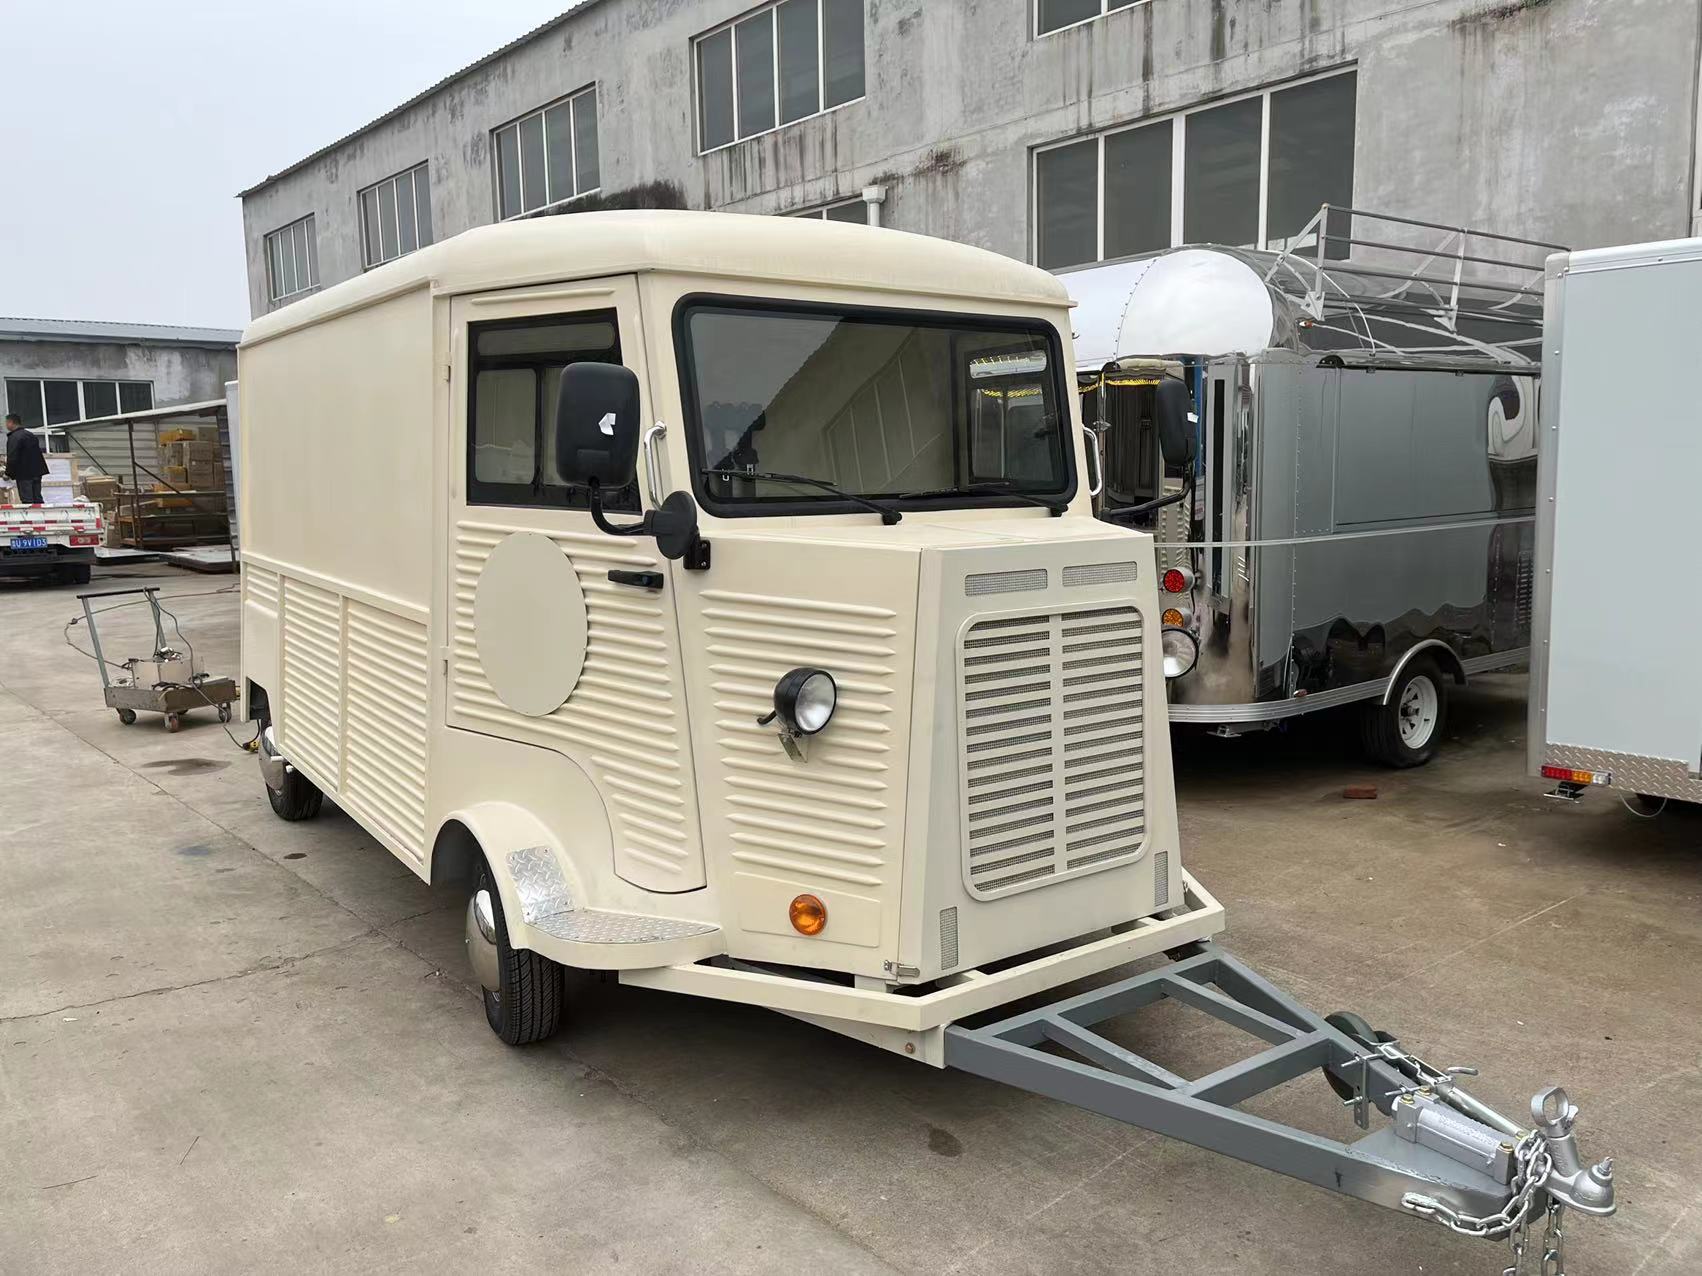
(126, 130)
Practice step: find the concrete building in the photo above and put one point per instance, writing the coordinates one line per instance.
(1059, 131)
(58, 370)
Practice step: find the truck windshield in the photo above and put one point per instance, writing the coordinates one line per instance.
(947, 410)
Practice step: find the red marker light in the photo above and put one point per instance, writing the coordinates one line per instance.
(1175, 582)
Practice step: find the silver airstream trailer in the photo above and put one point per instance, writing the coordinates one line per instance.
(1354, 519)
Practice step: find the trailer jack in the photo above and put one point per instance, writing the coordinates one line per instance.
(1442, 1154)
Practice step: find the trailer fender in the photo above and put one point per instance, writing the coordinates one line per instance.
(1445, 656)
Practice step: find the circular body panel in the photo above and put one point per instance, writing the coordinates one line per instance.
(529, 623)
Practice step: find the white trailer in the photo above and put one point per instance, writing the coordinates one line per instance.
(844, 704)
(1616, 691)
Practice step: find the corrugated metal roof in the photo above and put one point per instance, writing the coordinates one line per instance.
(545, 28)
(102, 332)
(204, 408)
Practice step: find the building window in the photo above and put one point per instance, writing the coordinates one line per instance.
(54, 402)
(1251, 172)
(1055, 15)
(853, 212)
(292, 259)
(774, 67)
(548, 156)
(395, 216)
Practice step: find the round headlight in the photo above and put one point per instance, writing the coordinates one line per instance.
(1180, 652)
(804, 700)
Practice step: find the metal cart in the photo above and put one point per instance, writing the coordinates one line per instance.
(169, 682)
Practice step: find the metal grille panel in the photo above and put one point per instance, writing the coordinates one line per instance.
(1004, 582)
(1053, 729)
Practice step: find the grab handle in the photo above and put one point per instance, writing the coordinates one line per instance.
(652, 475)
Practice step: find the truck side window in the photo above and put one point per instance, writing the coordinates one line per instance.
(514, 374)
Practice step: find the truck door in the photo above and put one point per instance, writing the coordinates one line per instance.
(557, 635)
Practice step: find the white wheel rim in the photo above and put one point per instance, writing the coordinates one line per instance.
(1417, 711)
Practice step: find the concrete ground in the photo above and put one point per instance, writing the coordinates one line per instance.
(228, 1043)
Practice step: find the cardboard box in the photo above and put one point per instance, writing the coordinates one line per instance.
(99, 487)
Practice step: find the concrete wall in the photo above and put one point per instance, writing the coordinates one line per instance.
(181, 374)
(1564, 120)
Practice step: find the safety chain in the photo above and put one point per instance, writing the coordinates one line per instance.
(1534, 1162)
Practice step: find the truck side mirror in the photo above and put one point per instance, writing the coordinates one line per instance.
(596, 425)
(1176, 421)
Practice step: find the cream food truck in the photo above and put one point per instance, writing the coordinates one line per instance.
(843, 703)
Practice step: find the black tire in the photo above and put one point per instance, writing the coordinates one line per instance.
(299, 799)
(1388, 731)
(127, 717)
(528, 1007)
(1361, 1033)
(77, 573)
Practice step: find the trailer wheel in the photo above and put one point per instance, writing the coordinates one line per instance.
(174, 722)
(127, 717)
(526, 1003)
(1405, 731)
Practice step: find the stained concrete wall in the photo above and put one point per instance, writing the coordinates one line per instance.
(180, 373)
(1565, 120)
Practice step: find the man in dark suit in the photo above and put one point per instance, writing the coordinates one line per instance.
(25, 465)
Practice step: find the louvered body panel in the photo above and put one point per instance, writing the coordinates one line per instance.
(625, 719)
(310, 722)
(1053, 764)
(260, 586)
(388, 709)
(836, 818)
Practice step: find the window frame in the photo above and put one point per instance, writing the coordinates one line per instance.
(772, 6)
(820, 211)
(81, 383)
(540, 113)
(310, 251)
(1105, 10)
(825, 504)
(414, 172)
(1178, 164)
(487, 494)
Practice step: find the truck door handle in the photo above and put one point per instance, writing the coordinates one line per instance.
(642, 580)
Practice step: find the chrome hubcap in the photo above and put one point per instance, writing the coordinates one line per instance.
(1418, 706)
(481, 941)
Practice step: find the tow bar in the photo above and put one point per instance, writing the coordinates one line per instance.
(1443, 1154)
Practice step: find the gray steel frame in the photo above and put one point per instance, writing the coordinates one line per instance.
(1381, 1167)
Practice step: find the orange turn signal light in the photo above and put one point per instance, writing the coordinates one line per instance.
(808, 914)
(1172, 617)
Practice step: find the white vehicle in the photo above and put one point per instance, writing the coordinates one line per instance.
(1616, 695)
(56, 541)
(845, 705)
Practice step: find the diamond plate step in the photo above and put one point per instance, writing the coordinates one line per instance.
(546, 904)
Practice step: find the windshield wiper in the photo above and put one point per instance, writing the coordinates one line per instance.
(889, 516)
(1056, 507)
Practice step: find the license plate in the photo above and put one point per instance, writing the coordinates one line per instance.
(29, 542)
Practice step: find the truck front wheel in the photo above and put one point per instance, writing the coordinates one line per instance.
(523, 991)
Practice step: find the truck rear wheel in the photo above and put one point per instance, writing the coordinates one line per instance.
(523, 990)
(293, 796)
(1405, 731)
